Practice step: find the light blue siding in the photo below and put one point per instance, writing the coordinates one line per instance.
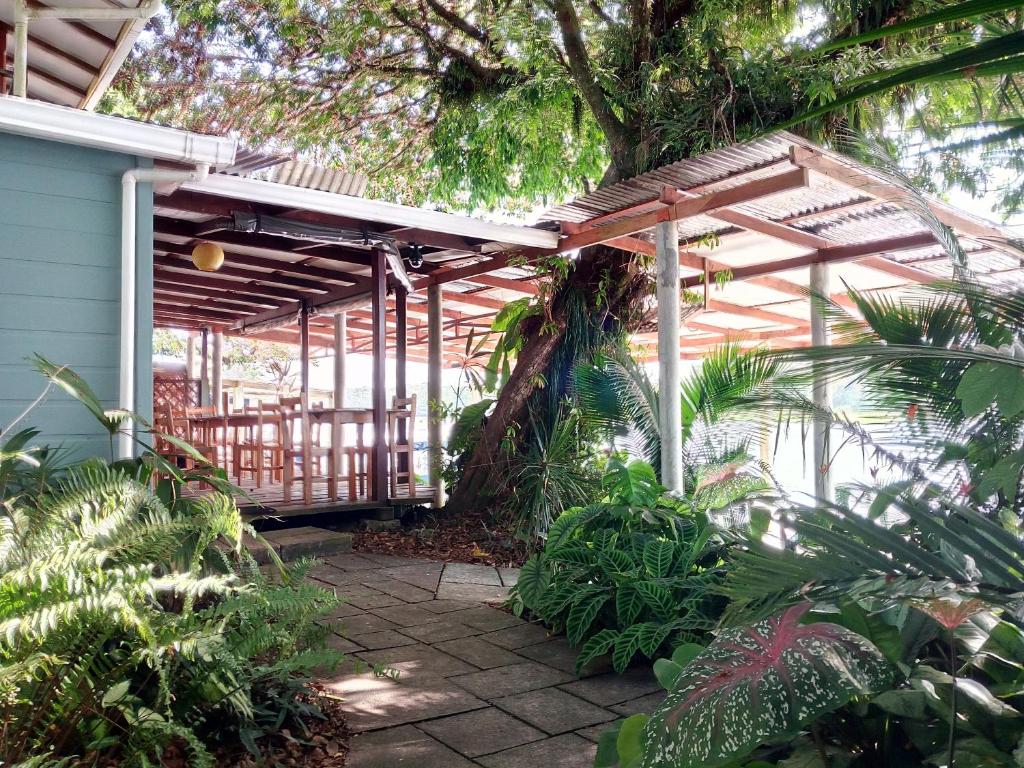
(60, 267)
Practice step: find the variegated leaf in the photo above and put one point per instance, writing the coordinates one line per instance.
(759, 683)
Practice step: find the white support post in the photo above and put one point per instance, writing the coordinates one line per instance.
(190, 356)
(435, 362)
(340, 357)
(204, 367)
(820, 395)
(669, 383)
(218, 371)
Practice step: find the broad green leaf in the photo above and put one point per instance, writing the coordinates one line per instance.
(985, 383)
(913, 704)
(608, 749)
(686, 653)
(116, 693)
(658, 599)
(595, 647)
(756, 684)
(628, 604)
(630, 741)
(667, 672)
(582, 616)
(533, 581)
(658, 557)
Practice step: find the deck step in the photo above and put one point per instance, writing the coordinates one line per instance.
(295, 543)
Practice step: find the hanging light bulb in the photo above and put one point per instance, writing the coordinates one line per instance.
(207, 256)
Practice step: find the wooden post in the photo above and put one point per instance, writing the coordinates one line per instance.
(217, 394)
(340, 357)
(190, 356)
(3, 62)
(669, 383)
(204, 367)
(304, 349)
(378, 334)
(435, 363)
(820, 395)
(401, 345)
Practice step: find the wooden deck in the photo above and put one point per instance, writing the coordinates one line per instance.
(269, 499)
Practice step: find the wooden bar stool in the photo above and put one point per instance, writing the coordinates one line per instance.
(402, 414)
(305, 452)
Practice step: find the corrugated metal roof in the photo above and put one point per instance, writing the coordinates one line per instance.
(300, 174)
(71, 62)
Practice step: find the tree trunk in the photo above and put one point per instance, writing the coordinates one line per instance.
(613, 307)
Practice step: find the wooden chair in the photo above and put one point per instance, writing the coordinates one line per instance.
(167, 423)
(305, 452)
(210, 433)
(401, 443)
(262, 453)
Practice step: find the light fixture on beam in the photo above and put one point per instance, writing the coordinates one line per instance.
(207, 256)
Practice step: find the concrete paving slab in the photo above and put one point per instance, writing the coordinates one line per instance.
(445, 606)
(405, 615)
(474, 593)
(605, 690)
(479, 652)
(363, 624)
(565, 751)
(388, 638)
(343, 644)
(342, 610)
(379, 600)
(372, 702)
(558, 653)
(390, 561)
(515, 678)
(418, 662)
(469, 573)
(352, 562)
(439, 631)
(486, 619)
(518, 636)
(553, 711)
(509, 576)
(481, 731)
(644, 705)
(405, 592)
(404, 746)
(425, 576)
(593, 732)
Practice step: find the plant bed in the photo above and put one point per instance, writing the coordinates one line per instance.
(325, 745)
(472, 538)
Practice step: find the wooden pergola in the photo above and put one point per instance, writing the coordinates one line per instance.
(748, 230)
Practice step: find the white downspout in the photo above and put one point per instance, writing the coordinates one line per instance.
(126, 381)
(23, 14)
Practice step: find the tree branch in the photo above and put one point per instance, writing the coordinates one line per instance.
(583, 73)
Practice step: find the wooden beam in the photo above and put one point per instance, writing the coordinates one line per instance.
(716, 305)
(704, 204)
(201, 292)
(524, 286)
(877, 186)
(903, 271)
(191, 277)
(245, 260)
(834, 254)
(202, 302)
(316, 286)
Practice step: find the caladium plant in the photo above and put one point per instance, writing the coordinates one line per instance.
(759, 683)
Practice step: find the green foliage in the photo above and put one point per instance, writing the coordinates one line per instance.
(759, 683)
(131, 619)
(626, 575)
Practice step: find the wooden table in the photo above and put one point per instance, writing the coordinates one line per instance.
(335, 418)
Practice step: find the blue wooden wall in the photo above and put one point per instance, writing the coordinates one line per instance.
(60, 266)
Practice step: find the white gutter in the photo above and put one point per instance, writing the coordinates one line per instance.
(37, 119)
(23, 14)
(129, 207)
(271, 193)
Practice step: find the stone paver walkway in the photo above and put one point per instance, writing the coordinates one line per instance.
(476, 686)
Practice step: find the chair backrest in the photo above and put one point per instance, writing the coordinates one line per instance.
(402, 414)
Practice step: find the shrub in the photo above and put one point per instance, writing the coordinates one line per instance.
(132, 621)
(626, 575)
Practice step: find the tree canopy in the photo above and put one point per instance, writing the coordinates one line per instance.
(512, 103)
